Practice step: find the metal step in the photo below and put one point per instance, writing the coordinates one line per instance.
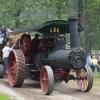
(34, 70)
(31, 68)
(29, 64)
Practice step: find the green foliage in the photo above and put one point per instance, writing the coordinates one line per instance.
(4, 97)
(92, 15)
(23, 13)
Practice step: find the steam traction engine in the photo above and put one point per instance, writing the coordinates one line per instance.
(52, 62)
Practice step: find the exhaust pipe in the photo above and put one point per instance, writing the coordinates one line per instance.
(73, 29)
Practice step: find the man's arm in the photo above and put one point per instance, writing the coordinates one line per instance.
(13, 46)
(3, 51)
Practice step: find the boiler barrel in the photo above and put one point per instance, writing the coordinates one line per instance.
(69, 59)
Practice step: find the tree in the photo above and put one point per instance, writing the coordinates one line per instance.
(81, 7)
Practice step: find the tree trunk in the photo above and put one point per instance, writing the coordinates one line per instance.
(86, 38)
(17, 22)
(81, 5)
(88, 31)
(18, 7)
(47, 16)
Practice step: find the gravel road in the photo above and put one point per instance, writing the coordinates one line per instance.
(30, 90)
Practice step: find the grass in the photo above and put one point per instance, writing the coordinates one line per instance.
(96, 80)
(4, 97)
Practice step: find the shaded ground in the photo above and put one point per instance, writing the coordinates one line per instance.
(30, 90)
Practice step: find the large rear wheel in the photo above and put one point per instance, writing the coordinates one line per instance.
(1, 71)
(46, 80)
(25, 44)
(16, 68)
(85, 81)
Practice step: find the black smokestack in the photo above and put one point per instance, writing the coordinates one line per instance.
(73, 29)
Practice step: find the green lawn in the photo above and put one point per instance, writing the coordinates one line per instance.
(96, 80)
(4, 97)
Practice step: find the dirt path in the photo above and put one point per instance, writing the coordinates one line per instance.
(31, 91)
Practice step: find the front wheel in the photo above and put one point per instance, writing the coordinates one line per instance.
(85, 81)
(46, 80)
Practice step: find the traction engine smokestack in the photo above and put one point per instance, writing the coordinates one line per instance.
(73, 28)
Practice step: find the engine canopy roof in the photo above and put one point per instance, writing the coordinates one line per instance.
(62, 25)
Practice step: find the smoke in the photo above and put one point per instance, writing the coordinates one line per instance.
(61, 86)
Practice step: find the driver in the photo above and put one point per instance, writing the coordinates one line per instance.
(35, 43)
